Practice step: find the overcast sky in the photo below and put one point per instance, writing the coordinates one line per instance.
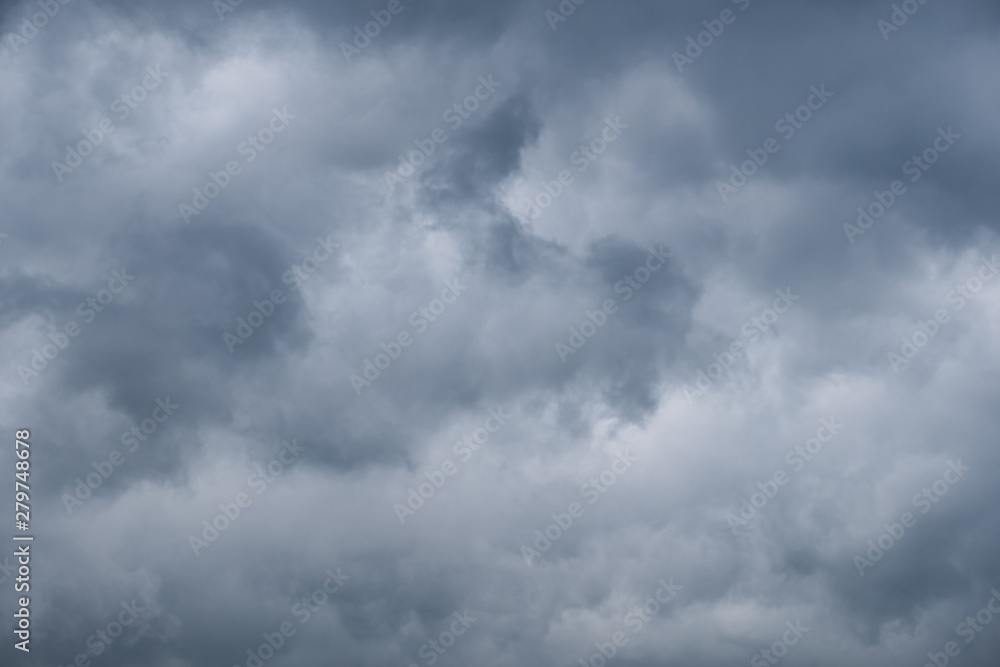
(441, 332)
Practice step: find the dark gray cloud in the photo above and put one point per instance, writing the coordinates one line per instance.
(468, 345)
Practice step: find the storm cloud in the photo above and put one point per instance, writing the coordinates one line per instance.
(420, 332)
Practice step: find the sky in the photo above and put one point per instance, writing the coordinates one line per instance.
(429, 332)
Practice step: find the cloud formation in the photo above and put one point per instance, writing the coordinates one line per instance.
(586, 217)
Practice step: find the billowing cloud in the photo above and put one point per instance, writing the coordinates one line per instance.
(415, 333)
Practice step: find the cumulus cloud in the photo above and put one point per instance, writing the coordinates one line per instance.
(509, 333)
